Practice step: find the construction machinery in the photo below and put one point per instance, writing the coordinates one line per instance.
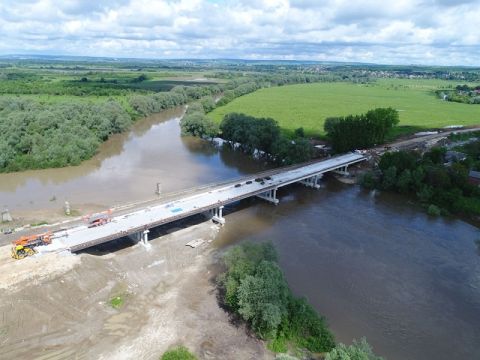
(98, 219)
(25, 246)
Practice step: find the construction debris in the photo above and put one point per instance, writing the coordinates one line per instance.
(194, 243)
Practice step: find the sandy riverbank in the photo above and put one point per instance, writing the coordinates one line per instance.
(57, 306)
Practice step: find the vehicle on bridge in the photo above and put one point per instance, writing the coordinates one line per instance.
(25, 246)
(98, 219)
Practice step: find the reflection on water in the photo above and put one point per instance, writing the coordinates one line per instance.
(126, 169)
(375, 267)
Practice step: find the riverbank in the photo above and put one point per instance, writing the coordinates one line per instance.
(168, 297)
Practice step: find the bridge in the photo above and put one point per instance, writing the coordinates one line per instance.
(209, 201)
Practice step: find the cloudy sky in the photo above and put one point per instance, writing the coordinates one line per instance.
(443, 32)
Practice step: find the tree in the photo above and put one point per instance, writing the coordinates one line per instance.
(390, 178)
(404, 181)
(208, 104)
(262, 299)
(198, 124)
(300, 132)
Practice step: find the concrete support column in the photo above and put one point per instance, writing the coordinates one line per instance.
(270, 196)
(342, 171)
(312, 181)
(144, 238)
(218, 215)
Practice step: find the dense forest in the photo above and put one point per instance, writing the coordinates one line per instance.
(35, 135)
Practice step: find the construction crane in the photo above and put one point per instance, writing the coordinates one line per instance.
(25, 246)
(98, 219)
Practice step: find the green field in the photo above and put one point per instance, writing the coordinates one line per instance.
(308, 105)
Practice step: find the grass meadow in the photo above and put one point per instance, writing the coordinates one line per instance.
(308, 105)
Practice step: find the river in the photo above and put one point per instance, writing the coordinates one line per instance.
(374, 264)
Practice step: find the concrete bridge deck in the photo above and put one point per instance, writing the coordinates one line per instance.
(210, 200)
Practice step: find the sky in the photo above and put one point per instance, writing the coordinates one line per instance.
(428, 32)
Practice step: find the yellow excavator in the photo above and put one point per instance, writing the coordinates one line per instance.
(25, 246)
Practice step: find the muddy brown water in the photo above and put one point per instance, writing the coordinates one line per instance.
(127, 169)
(374, 264)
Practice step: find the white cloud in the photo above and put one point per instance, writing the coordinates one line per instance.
(408, 31)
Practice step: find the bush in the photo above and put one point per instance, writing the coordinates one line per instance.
(300, 132)
(368, 180)
(433, 210)
(357, 351)
(278, 345)
(178, 353)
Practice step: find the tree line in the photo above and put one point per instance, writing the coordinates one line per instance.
(263, 135)
(360, 131)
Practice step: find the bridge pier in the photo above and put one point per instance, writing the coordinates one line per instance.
(270, 195)
(312, 181)
(141, 237)
(217, 215)
(144, 238)
(342, 171)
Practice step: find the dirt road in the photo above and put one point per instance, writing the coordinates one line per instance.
(57, 306)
